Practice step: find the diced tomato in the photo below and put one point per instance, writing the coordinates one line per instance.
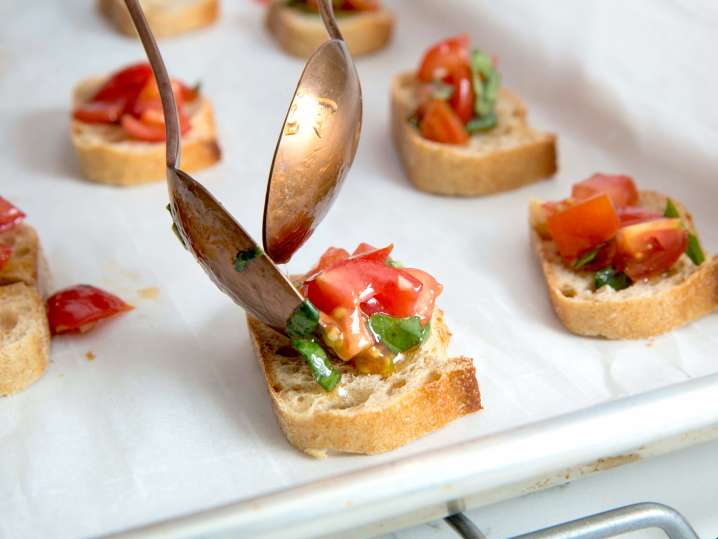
(651, 247)
(141, 130)
(444, 58)
(462, 100)
(5, 255)
(149, 97)
(441, 124)
(361, 5)
(604, 257)
(631, 215)
(330, 257)
(129, 80)
(106, 112)
(9, 215)
(621, 189)
(189, 93)
(369, 252)
(346, 332)
(583, 225)
(79, 308)
(430, 290)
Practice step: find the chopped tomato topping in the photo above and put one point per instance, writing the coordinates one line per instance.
(462, 99)
(79, 308)
(631, 215)
(621, 189)
(430, 290)
(100, 111)
(583, 225)
(444, 58)
(361, 5)
(9, 215)
(5, 255)
(441, 124)
(330, 257)
(651, 247)
(126, 82)
(141, 130)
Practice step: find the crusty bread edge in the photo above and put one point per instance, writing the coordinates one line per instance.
(451, 395)
(444, 170)
(163, 22)
(300, 34)
(634, 317)
(118, 164)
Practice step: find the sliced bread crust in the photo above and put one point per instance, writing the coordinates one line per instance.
(108, 155)
(300, 33)
(645, 309)
(507, 157)
(165, 17)
(24, 337)
(366, 414)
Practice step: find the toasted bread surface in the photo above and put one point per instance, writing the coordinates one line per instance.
(165, 17)
(645, 309)
(108, 155)
(24, 337)
(24, 264)
(366, 414)
(510, 155)
(300, 33)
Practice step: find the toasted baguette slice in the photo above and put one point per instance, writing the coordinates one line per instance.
(26, 261)
(108, 155)
(644, 309)
(24, 337)
(300, 33)
(510, 155)
(366, 413)
(165, 17)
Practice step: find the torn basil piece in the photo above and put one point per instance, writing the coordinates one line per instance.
(175, 230)
(304, 320)
(322, 369)
(485, 81)
(612, 278)
(586, 258)
(476, 125)
(694, 251)
(245, 257)
(399, 334)
(671, 211)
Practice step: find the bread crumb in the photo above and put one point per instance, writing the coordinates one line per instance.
(90, 356)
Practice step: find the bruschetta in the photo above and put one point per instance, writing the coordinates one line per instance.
(365, 25)
(621, 263)
(385, 375)
(165, 17)
(118, 128)
(459, 132)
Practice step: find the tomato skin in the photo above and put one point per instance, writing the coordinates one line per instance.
(441, 124)
(331, 256)
(621, 189)
(631, 215)
(5, 255)
(10, 215)
(651, 247)
(79, 308)
(105, 112)
(583, 225)
(444, 58)
(462, 100)
(127, 81)
(430, 290)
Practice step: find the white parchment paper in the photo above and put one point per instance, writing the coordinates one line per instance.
(172, 415)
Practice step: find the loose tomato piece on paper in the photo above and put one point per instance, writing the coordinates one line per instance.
(446, 57)
(621, 189)
(77, 309)
(441, 124)
(651, 247)
(583, 225)
(9, 215)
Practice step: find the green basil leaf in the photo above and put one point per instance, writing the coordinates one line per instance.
(612, 278)
(481, 124)
(586, 258)
(671, 211)
(244, 257)
(175, 230)
(392, 262)
(399, 334)
(325, 374)
(694, 251)
(485, 81)
(304, 320)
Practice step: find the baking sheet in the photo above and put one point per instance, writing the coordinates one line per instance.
(172, 415)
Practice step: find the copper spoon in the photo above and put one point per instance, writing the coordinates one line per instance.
(316, 147)
(212, 235)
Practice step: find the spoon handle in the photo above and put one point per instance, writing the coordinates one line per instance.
(169, 106)
(326, 9)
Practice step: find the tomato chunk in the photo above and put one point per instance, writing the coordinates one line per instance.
(330, 257)
(621, 189)
(430, 290)
(361, 5)
(127, 81)
(9, 215)
(5, 255)
(583, 225)
(79, 308)
(631, 215)
(444, 58)
(441, 124)
(462, 100)
(106, 112)
(649, 248)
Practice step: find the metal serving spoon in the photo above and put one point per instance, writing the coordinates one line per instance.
(315, 150)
